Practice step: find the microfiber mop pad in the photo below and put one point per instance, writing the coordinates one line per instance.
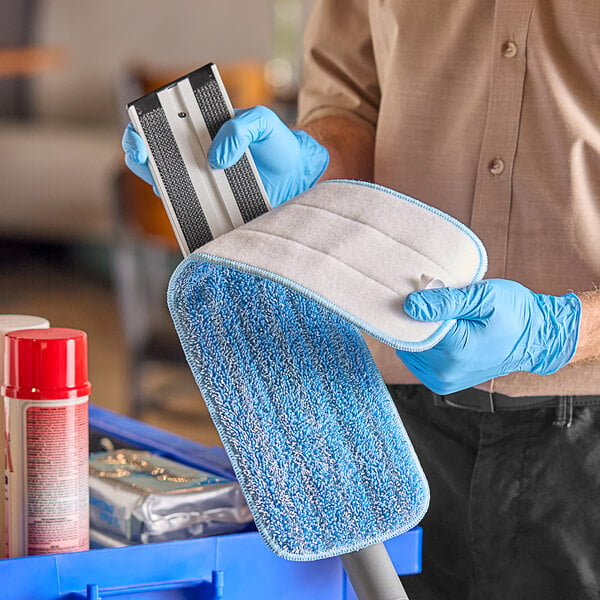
(269, 317)
(359, 249)
(315, 441)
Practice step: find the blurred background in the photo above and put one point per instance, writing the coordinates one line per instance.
(82, 241)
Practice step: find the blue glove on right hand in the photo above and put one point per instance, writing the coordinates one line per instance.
(288, 161)
(136, 156)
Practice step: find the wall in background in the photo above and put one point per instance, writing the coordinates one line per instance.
(105, 37)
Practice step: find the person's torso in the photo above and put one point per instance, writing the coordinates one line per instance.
(489, 111)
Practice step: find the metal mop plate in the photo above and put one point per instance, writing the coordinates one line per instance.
(178, 123)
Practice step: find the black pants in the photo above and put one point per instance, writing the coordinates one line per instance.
(515, 502)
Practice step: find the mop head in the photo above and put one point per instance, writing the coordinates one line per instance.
(359, 249)
(269, 316)
(312, 433)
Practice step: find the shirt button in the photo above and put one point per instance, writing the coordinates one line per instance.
(509, 49)
(496, 166)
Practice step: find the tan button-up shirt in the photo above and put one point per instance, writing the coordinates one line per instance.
(489, 111)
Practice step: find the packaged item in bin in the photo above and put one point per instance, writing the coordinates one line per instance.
(141, 497)
(101, 539)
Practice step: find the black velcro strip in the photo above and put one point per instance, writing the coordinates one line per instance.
(175, 177)
(242, 180)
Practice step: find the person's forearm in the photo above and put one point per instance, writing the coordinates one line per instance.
(588, 346)
(350, 147)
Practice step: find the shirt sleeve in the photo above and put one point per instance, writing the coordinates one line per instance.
(339, 76)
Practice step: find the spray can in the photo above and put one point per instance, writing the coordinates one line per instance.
(46, 391)
(9, 323)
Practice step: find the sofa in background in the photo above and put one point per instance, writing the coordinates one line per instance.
(60, 129)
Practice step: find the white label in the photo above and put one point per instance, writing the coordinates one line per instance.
(46, 476)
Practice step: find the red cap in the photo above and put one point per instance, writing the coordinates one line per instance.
(45, 364)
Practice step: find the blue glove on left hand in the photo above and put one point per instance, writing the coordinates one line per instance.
(501, 327)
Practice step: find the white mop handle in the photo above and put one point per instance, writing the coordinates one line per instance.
(372, 574)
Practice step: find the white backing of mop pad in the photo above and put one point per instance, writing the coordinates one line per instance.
(358, 249)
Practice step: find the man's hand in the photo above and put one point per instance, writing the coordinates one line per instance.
(136, 156)
(288, 161)
(500, 327)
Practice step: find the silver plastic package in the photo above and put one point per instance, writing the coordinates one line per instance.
(140, 497)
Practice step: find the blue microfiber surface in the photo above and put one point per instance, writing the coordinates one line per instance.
(313, 436)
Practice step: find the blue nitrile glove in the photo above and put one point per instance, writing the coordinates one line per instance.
(500, 327)
(288, 161)
(136, 156)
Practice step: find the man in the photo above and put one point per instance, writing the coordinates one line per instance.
(489, 111)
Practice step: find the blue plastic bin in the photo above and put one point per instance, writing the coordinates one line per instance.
(231, 567)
